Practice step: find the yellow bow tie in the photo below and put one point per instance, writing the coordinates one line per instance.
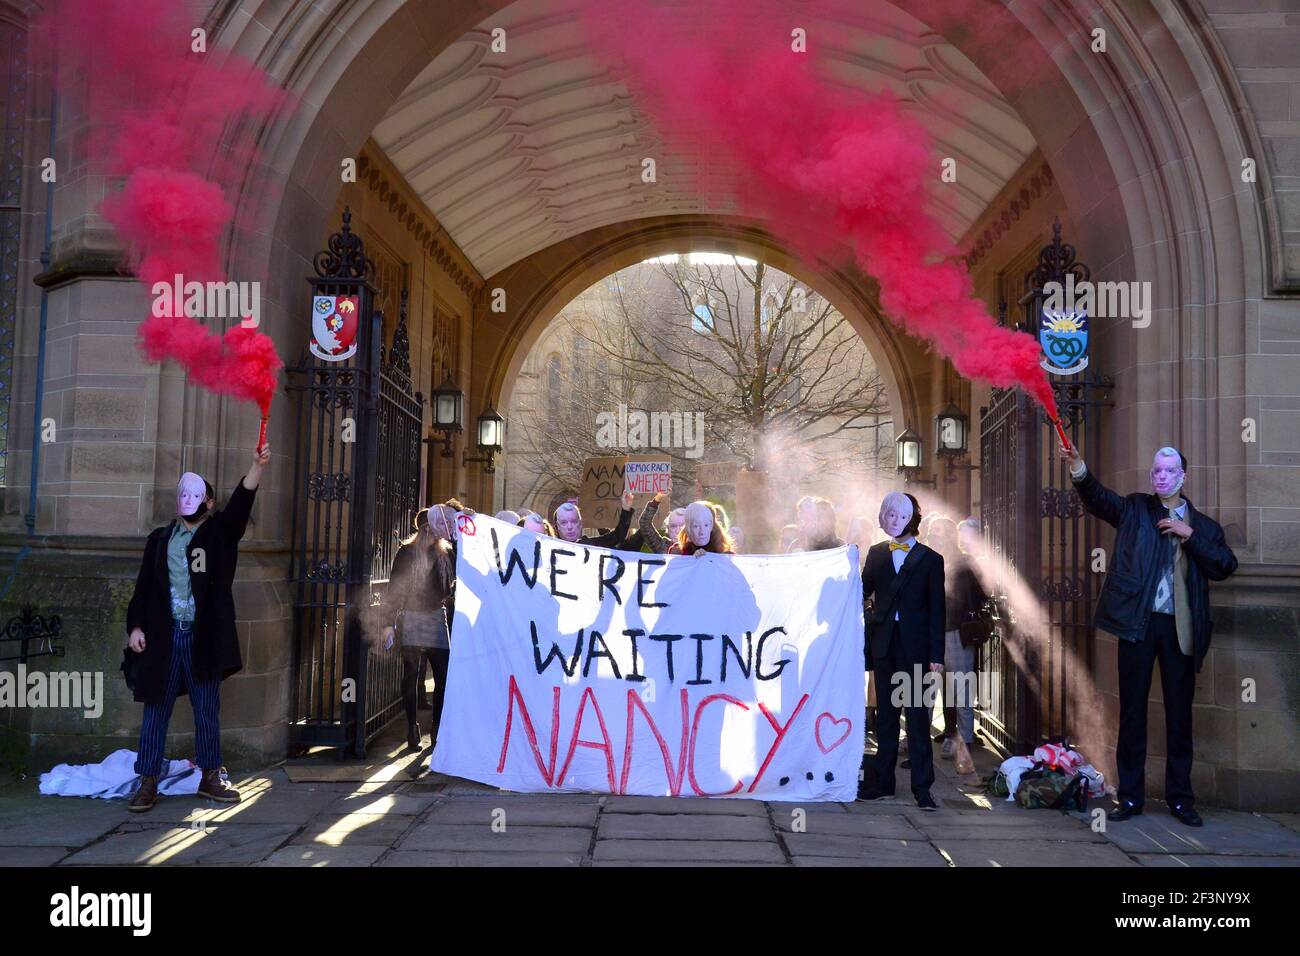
(895, 546)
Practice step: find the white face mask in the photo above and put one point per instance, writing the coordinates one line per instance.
(442, 521)
(191, 494)
(569, 524)
(895, 519)
(699, 525)
(1167, 476)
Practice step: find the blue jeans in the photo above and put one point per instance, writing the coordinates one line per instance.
(959, 662)
(204, 698)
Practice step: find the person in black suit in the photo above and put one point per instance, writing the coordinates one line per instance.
(903, 581)
(1156, 600)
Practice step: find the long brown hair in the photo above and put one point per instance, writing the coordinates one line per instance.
(719, 542)
(431, 552)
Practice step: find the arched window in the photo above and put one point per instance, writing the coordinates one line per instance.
(579, 371)
(770, 310)
(553, 384)
(703, 321)
(13, 118)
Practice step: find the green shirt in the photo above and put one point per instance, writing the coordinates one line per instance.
(178, 571)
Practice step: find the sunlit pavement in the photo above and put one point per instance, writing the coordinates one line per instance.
(393, 820)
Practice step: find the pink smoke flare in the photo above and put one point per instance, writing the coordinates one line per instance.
(176, 125)
(822, 165)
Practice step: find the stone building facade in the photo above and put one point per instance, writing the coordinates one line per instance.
(1140, 152)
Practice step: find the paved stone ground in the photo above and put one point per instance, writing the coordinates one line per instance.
(438, 821)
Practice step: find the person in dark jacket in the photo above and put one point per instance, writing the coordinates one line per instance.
(181, 626)
(1156, 600)
(568, 522)
(904, 581)
(420, 588)
(965, 597)
(939, 532)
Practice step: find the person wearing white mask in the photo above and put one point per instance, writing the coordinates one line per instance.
(660, 543)
(701, 533)
(568, 522)
(1156, 601)
(904, 581)
(181, 627)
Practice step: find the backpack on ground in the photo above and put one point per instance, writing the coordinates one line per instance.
(1052, 790)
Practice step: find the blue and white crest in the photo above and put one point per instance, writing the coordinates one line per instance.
(1064, 337)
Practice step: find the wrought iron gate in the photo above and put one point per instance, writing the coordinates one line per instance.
(1036, 526)
(356, 488)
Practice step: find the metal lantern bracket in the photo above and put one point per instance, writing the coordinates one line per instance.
(488, 461)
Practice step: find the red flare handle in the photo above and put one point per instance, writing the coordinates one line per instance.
(261, 435)
(1060, 431)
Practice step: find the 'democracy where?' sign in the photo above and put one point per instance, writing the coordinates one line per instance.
(603, 482)
(648, 477)
(583, 669)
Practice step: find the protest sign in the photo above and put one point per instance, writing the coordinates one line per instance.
(648, 477)
(576, 668)
(602, 485)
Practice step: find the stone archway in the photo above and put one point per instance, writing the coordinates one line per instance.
(537, 288)
(1145, 142)
(541, 285)
(1140, 141)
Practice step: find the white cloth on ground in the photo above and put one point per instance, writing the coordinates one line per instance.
(1013, 768)
(115, 777)
(1096, 780)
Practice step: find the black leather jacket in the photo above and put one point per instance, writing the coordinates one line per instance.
(1136, 562)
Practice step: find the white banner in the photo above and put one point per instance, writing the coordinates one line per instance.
(584, 669)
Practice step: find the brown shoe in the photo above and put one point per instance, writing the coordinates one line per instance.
(145, 797)
(213, 787)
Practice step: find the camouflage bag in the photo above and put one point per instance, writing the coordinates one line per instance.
(1052, 790)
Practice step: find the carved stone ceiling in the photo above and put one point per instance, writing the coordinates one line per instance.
(515, 151)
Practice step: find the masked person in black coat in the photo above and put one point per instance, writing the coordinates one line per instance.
(905, 645)
(181, 625)
(1156, 600)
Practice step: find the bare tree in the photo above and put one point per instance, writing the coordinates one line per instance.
(785, 383)
(557, 429)
(770, 363)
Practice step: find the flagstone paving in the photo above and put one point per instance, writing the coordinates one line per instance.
(383, 818)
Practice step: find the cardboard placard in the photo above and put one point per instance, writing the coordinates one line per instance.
(648, 477)
(602, 487)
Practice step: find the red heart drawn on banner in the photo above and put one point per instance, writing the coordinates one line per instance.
(817, 731)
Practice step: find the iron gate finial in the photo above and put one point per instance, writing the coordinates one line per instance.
(345, 256)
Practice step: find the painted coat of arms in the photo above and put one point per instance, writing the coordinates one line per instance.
(1064, 337)
(334, 327)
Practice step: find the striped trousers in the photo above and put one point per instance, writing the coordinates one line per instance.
(204, 698)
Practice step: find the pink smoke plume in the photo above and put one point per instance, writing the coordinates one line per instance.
(821, 164)
(175, 124)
